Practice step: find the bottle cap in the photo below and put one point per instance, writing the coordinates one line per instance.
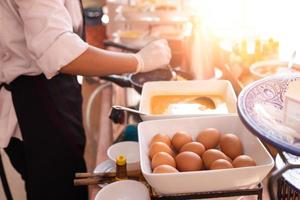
(121, 160)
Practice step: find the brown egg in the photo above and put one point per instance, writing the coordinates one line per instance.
(159, 147)
(162, 158)
(165, 169)
(221, 164)
(188, 161)
(243, 161)
(209, 137)
(210, 155)
(228, 159)
(231, 145)
(161, 138)
(195, 147)
(179, 139)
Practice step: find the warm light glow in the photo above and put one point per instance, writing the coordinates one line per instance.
(80, 79)
(236, 19)
(105, 19)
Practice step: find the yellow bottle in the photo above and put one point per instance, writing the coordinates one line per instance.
(257, 50)
(121, 168)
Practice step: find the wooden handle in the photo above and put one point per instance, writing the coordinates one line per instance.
(90, 174)
(87, 181)
(88, 178)
(98, 180)
(135, 173)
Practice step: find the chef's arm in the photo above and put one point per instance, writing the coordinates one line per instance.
(95, 61)
(98, 62)
(56, 48)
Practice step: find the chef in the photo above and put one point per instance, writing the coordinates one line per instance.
(40, 100)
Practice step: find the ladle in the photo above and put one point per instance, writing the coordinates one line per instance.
(117, 107)
(206, 101)
(117, 114)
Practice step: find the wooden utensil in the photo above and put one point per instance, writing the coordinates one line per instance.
(88, 178)
(93, 175)
(91, 181)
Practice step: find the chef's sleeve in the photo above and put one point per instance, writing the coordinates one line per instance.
(49, 34)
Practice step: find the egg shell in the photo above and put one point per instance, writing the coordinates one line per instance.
(159, 147)
(165, 169)
(209, 137)
(188, 161)
(221, 164)
(243, 161)
(161, 138)
(228, 158)
(162, 158)
(231, 145)
(179, 139)
(195, 147)
(210, 155)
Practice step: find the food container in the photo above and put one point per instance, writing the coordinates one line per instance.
(127, 189)
(130, 36)
(221, 88)
(205, 180)
(133, 38)
(266, 68)
(137, 13)
(168, 12)
(128, 149)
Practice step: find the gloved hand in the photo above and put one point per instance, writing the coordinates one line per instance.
(155, 55)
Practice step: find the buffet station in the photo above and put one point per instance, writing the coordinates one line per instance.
(220, 122)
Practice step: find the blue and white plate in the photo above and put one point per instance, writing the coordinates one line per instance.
(261, 109)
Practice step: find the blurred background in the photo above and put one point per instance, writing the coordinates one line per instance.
(204, 35)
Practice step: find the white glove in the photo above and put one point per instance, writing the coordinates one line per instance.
(155, 55)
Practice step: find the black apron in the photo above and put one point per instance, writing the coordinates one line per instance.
(49, 114)
(50, 119)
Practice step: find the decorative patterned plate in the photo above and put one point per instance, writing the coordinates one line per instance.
(292, 176)
(260, 107)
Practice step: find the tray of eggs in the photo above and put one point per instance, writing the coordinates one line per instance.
(201, 154)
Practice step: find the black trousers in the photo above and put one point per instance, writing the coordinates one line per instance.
(50, 118)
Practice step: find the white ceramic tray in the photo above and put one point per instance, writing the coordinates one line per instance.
(207, 180)
(221, 88)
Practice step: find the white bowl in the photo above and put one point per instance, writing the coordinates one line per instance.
(169, 15)
(206, 180)
(130, 36)
(221, 88)
(130, 150)
(271, 67)
(125, 190)
(134, 38)
(137, 13)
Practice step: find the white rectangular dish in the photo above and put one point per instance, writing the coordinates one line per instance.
(205, 180)
(222, 88)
